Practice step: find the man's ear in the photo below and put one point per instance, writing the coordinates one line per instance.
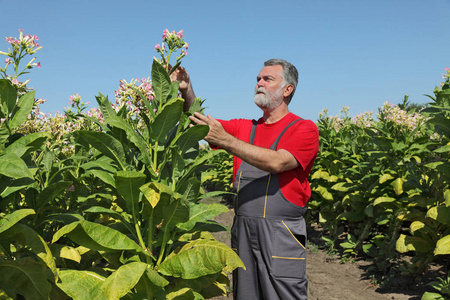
(288, 90)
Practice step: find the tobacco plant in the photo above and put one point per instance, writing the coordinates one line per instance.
(373, 178)
(120, 218)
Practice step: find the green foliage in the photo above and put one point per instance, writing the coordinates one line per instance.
(120, 216)
(442, 285)
(374, 178)
(220, 176)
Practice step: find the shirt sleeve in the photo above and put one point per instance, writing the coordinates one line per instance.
(302, 141)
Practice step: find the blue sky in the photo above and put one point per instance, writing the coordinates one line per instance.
(349, 53)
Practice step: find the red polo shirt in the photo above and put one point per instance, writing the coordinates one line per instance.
(301, 140)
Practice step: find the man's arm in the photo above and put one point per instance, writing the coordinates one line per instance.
(187, 92)
(273, 161)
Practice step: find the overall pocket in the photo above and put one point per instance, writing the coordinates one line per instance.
(289, 249)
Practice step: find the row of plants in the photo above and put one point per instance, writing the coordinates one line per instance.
(105, 204)
(381, 187)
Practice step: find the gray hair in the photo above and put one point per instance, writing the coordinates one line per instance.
(290, 73)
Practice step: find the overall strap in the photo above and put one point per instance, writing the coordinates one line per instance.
(275, 144)
(252, 132)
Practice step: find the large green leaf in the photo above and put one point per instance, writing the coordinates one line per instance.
(82, 285)
(191, 137)
(442, 124)
(156, 278)
(440, 213)
(112, 213)
(10, 220)
(323, 191)
(190, 189)
(27, 236)
(66, 252)
(108, 237)
(65, 230)
(96, 236)
(161, 82)
(385, 177)
(406, 243)
(119, 283)
(107, 145)
(8, 96)
(383, 199)
(13, 166)
(342, 187)
(166, 119)
(104, 176)
(182, 294)
(154, 191)
(11, 185)
(27, 143)
(202, 212)
(105, 106)
(25, 104)
(174, 213)
(432, 296)
(102, 163)
(397, 185)
(194, 166)
(199, 258)
(127, 185)
(132, 136)
(178, 165)
(443, 246)
(26, 277)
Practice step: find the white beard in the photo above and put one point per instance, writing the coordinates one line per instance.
(268, 101)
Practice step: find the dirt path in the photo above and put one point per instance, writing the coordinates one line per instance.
(328, 278)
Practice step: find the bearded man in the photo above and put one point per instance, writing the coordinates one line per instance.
(272, 160)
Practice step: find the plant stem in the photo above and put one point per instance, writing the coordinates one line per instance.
(138, 232)
(163, 247)
(155, 159)
(136, 226)
(168, 59)
(150, 232)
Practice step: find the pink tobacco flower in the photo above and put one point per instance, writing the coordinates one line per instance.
(157, 46)
(38, 64)
(165, 33)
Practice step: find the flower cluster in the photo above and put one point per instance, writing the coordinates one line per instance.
(76, 103)
(446, 76)
(129, 95)
(25, 45)
(172, 41)
(399, 120)
(62, 126)
(364, 120)
(28, 42)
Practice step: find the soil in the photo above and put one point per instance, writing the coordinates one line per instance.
(330, 278)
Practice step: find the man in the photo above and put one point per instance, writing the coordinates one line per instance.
(272, 159)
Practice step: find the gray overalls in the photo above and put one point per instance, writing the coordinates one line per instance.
(269, 235)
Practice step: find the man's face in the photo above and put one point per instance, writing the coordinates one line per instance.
(269, 87)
